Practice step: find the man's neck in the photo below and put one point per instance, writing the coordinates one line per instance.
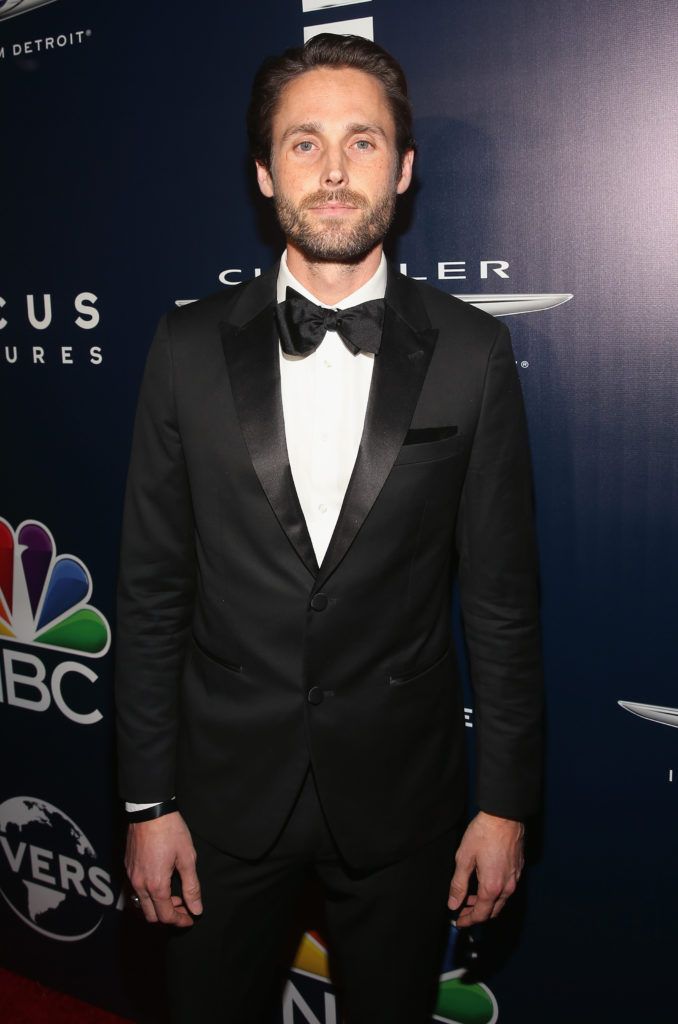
(332, 282)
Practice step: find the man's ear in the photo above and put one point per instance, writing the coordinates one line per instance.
(265, 180)
(405, 178)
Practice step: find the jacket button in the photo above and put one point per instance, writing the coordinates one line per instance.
(319, 602)
(315, 695)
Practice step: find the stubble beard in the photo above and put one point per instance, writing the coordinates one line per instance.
(334, 239)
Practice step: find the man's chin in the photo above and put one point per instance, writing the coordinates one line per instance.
(331, 249)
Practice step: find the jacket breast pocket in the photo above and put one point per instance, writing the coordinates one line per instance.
(405, 678)
(429, 451)
(213, 659)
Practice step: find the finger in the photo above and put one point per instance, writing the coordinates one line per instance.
(463, 916)
(488, 903)
(178, 905)
(147, 908)
(499, 906)
(476, 912)
(169, 914)
(459, 884)
(190, 887)
(159, 892)
(500, 894)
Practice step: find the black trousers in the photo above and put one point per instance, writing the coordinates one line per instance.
(386, 928)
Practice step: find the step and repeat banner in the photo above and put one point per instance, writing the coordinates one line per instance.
(546, 193)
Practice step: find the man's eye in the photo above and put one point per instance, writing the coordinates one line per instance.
(363, 144)
(305, 146)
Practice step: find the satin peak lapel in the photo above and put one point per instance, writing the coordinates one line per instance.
(399, 370)
(250, 341)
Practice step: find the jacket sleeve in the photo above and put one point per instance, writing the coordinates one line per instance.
(499, 595)
(156, 587)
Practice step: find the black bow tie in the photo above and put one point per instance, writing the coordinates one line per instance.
(302, 325)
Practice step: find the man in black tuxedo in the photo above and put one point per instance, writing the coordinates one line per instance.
(315, 454)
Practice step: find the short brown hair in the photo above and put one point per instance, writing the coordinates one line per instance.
(326, 51)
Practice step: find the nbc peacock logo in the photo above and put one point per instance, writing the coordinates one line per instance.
(459, 1000)
(44, 596)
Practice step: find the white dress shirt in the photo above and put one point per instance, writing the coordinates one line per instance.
(324, 398)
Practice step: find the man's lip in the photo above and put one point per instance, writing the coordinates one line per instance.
(333, 206)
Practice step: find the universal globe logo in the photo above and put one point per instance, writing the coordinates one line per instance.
(49, 874)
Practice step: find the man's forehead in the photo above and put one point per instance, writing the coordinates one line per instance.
(336, 96)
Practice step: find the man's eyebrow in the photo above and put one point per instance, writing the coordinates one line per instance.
(307, 127)
(364, 129)
(315, 128)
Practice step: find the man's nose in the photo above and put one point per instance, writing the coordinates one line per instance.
(335, 172)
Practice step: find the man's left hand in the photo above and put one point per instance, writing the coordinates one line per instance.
(493, 848)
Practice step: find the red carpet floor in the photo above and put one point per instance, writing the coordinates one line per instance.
(27, 1002)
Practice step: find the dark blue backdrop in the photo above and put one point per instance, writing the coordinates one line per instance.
(547, 138)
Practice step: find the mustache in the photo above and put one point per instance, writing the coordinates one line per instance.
(338, 195)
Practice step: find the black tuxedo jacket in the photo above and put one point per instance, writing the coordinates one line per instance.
(239, 658)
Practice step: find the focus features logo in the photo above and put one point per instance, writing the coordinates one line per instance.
(44, 605)
(49, 873)
(10, 8)
(36, 313)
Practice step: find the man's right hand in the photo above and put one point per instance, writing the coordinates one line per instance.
(154, 849)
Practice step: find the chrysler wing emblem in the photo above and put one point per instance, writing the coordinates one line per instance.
(666, 716)
(507, 305)
(498, 305)
(11, 8)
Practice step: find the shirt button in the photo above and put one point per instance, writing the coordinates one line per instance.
(315, 695)
(319, 602)
(327, 363)
(322, 508)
